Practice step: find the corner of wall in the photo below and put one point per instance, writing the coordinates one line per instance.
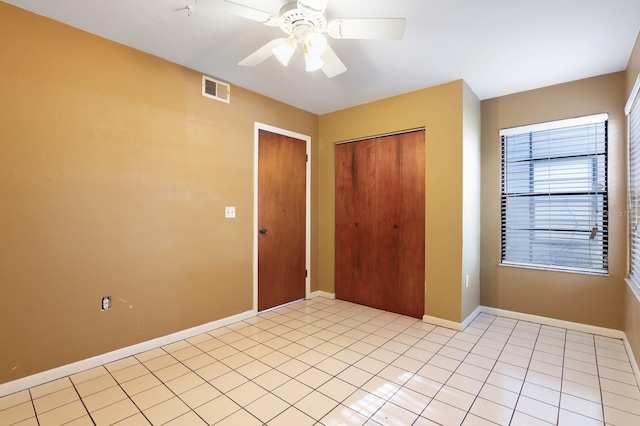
(632, 319)
(471, 165)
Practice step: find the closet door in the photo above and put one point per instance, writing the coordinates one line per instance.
(380, 215)
(355, 221)
(388, 224)
(411, 268)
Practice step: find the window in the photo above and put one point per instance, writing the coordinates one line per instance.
(554, 195)
(633, 119)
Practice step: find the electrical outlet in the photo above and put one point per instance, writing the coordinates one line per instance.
(230, 212)
(106, 303)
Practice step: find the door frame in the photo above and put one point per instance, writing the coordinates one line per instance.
(307, 139)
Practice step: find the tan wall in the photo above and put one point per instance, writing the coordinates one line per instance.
(633, 67)
(439, 110)
(471, 162)
(114, 174)
(587, 299)
(632, 300)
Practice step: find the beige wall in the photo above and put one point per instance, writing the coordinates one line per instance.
(632, 300)
(588, 299)
(114, 173)
(439, 110)
(633, 67)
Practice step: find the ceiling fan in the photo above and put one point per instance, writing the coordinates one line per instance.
(304, 23)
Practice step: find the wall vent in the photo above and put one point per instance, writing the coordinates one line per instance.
(214, 89)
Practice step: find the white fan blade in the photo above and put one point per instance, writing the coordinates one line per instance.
(251, 13)
(261, 54)
(376, 29)
(332, 64)
(312, 7)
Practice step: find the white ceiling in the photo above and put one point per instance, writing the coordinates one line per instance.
(497, 46)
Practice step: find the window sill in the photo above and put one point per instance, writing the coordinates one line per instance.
(552, 269)
(633, 287)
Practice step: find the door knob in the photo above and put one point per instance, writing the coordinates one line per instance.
(263, 231)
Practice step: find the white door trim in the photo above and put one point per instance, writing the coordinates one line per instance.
(261, 126)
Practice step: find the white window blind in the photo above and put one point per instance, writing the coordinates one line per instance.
(554, 195)
(633, 121)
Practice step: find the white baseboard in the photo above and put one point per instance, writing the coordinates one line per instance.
(591, 329)
(96, 361)
(442, 322)
(320, 293)
(632, 358)
(458, 326)
(477, 311)
(575, 326)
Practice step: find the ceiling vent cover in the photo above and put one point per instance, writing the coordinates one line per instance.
(214, 89)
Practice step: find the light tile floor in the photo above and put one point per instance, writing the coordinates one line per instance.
(330, 362)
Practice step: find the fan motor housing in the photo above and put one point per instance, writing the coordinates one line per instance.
(291, 17)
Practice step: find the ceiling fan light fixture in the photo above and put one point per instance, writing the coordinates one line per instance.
(304, 22)
(316, 44)
(284, 51)
(313, 62)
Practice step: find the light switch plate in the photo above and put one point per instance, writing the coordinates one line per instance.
(230, 212)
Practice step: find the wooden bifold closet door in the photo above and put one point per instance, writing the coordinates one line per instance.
(380, 222)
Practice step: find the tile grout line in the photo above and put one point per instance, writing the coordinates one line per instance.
(597, 356)
(164, 383)
(363, 356)
(453, 372)
(513, 410)
(275, 368)
(33, 405)
(597, 366)
(110, 373)
(397, 333)
(564, 352)
(82, 401)
(494, 365)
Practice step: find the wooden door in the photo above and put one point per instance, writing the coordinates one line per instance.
(411, 238)
(380, 223)
(355, 221)
(281, 219)
(388, 196)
